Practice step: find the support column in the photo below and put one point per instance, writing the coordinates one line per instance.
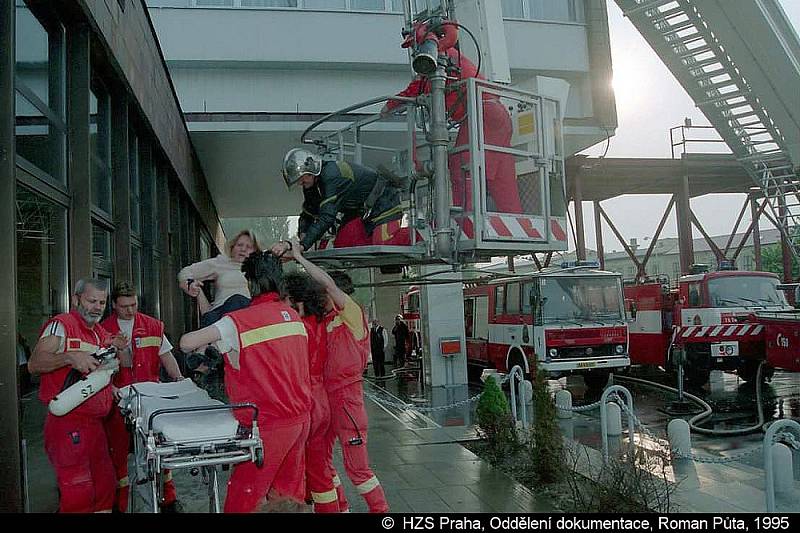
(443, 307)
(120, 167)
(786, 246)
(580, 234)
(598, 233)
(684, 221)
(756, 231)
(80, 186)
(10, 450)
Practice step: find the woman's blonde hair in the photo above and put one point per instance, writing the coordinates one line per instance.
(247, 232)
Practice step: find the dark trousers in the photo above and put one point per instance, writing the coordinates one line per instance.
(378, 358)
(400, 355)
(234, 303)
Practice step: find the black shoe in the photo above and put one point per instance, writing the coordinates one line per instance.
(171, 508)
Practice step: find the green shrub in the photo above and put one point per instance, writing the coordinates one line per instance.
(494, 422)
(546, 446)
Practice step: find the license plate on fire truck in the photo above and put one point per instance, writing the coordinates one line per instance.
(724, 349)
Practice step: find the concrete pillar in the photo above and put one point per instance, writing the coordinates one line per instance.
(679, 436)
(563, 404)
(614, 417)
(782, 464)
(11, 465)
(120, 163)
(443, 307)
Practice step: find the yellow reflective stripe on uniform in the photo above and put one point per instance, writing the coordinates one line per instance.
(324, 497)
(336, 480)
(328, 199)
(333, 324)
(148, 342)
(385, 236)
(346, 170)
(386, 214)
(123, 482)
(272, 332)
(368, 486)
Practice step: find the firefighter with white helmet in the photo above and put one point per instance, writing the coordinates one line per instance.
(359, 200)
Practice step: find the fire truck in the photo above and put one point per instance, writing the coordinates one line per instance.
(726, 320)
(563, 320)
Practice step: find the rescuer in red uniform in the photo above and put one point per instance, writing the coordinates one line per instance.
(501, 176)
(266, 363)
(309, 299)
(147, 349)
(76, 443)
(348, 353)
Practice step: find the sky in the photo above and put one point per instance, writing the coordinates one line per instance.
(649, 102)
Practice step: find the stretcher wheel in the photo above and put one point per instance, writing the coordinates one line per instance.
(259, 457)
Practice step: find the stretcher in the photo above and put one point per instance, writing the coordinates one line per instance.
(178, 425)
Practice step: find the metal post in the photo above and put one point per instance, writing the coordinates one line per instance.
(786, 246)
(441, 176)
(683, 218)
(598, 232)
(580, 234)
(756, 232)
(11, 465)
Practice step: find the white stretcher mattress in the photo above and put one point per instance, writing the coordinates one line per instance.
(180, 427)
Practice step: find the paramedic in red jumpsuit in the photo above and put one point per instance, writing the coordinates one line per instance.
(501, 176)
(266, 363)
(76, 443)
(309, 299)
(348, 353)
(141, 360)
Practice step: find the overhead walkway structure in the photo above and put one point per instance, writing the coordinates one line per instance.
(740, 62)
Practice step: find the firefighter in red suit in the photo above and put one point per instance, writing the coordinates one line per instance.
(76, 443)
(147, 349)
(266, 363)
(309, 299)
(348, 353)
(501, 176)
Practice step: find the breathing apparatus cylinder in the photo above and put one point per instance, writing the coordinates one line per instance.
(84, 388)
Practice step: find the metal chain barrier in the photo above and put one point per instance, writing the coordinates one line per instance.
(409, 406)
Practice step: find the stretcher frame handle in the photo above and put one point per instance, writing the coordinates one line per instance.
(199, 408)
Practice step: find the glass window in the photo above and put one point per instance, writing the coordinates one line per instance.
(499, 300)
(41, 239)
(269, 3)
(214, 3)
(576, 300)
(513, 9)
(40, 131)
(324, 4)
(102, 248)
(744, 291)
(371, 5)
(135, 185)
(469, 318)
(512, 299)
(100, 141)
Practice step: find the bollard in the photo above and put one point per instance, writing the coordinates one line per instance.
(769, 466)
(526, 391)
(784, 471)
(680, 437)
(563, 404)
(614, 413)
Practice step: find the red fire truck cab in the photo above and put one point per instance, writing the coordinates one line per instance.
(723, 320)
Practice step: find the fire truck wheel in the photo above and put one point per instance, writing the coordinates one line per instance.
(515, 359)
(748, 370)
(696, 376)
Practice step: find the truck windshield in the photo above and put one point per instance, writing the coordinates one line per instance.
(745, 291)
(580, 299)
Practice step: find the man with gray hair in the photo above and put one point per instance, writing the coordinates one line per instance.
(76, 443)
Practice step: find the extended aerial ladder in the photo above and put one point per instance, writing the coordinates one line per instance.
(739, 60)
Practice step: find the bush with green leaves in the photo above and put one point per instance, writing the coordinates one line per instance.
(546, 446)
(494, 422)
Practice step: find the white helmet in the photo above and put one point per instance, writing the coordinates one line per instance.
(298, 162)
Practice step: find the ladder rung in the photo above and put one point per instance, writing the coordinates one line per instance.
(711, 74)
(696, 51)
(684, 25)
(722, 98)
(654, 4)
(705, 62)
(764, 156)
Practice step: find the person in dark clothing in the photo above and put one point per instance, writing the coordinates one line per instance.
(357, 199)
(377, 338)
(401, 335)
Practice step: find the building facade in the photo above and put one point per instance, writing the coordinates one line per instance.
(98, 178)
